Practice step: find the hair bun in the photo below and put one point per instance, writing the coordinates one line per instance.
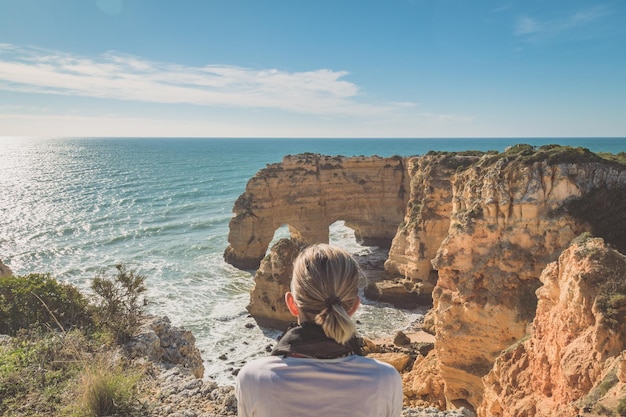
(331, 301)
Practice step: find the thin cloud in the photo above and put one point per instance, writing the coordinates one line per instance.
(526, 25)
(124, 77)
(532, 28)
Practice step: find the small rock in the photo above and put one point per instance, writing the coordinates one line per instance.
(401, 339)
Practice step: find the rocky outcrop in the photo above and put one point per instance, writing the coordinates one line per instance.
(477, 230)
(272, 280)
(174, 392)
(419, 236)
(621, 370)
(173, 368)
(5, 271)
(309, 192)
(423, 384)
(158, 341)
(512, 214)
(578, 336)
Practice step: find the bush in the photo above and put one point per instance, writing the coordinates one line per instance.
(120, 305)
(38, 300)
(108, 391)
(621, 407)
(37, 369)
(50, 365)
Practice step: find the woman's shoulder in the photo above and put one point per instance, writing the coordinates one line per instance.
(262, 362)
(382, 366)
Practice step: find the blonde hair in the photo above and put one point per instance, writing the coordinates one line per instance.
(325, 285)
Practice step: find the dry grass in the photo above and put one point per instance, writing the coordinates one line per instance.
(107, 390)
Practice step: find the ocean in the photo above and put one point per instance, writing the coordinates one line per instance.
(75, 207)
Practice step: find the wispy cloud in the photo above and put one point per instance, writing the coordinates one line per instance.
(120, 76)
(526, 25)
(532, 28)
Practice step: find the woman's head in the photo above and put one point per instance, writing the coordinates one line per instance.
(324, 287)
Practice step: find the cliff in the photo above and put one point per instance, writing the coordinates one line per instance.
(425, 225)
(512, 214)
(475, 232)
(309, 192)
(575, 344)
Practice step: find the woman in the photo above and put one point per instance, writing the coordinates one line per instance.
(317, 368)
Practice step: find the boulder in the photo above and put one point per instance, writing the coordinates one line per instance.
(5, 271)
(159, 341)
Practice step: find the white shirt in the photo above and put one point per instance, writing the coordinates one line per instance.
(351, 386)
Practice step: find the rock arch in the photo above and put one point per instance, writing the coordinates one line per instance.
(309, 192)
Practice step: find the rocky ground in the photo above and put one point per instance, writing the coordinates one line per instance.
(174, 386)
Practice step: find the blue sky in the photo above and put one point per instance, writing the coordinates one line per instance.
(295, 68)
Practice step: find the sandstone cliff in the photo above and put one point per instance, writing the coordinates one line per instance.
(512, 214)
(309, 192)
(272, 280)
(475, 232)
(575, 345)
(425, 226)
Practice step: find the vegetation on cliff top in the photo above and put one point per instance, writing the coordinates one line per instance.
(528, 154)
(611, 278)
(554, 154)
(60, 360)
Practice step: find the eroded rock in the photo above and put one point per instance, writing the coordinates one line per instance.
(160, 342)
(309, 192)
(272, 280)
(475, 233)
(5, 271)
(577, 339)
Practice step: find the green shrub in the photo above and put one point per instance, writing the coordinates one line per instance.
(37, 370)
(120, 304)
(50, 365)
(604, 411)
(620, 157)
(600, 390)
(38, 300)
(609, 381)
(621, 407)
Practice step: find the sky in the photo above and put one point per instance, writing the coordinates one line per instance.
(322, 68)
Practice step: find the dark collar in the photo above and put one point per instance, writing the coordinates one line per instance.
(309, 340)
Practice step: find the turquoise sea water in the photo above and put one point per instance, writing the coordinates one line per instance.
(72, 207)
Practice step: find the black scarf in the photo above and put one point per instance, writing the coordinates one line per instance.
(309, 340)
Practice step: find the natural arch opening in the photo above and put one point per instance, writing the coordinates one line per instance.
(340, 234)
(344, 236)
(283, 232)
(370, 258)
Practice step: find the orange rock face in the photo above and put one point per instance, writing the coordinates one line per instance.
(475, 231)
(426, 222)
(576, 331)
(272, 280)
(509, 220)
(309, 192)
(501, 237)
